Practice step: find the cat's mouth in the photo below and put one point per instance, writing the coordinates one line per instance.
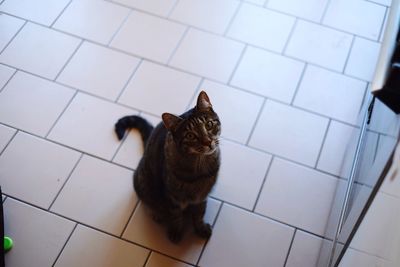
(203, 150)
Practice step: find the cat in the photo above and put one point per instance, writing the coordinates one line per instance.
(179, 166)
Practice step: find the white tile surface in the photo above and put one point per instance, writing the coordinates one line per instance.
(207, 55)
(363, 58)
(268, 74)
(159, 7)
(98, 207)
(158, 260)
(92, 19)
(307, 9)
(289, 132)
(142, 35)
(257, 26)
(341, 14)
(383, 2)
(100, 250)
(9, 26)
(25, 172)
(233, 243)
(322, 91)
(144, 231)
(5, 75)
(98, 70)
(237, 110)
(256, 2)
(6, 133)
(210, 15)
(88, 125)
(40, 11)
(353, 257)
(33, 104)
(38, 236)
(305, 250)
(340, 141)
(237, 183)
(320, 45)
(152, 86)
(39, 50)
(298, 205)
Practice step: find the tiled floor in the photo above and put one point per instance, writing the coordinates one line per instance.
(286, 78)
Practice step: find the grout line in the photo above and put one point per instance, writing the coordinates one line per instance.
(169, 14)
(131, 215)
(353, 38)
(303, 72)
(328, 4)
(9, 141)
(289, 38)
(148, 257)
(61, 114)
(256, 121)
(65, 244)
(383, 26)
(69, 59)
(230, 23)
(59, 15)
(8, 81)
(263, 184)
(131, 11)
(129, 80)
(378, 4)
(177, 46)
(213, 224)
(15, 35)
(235, 68)
(290, 247)
(66, 180)
(323, 143)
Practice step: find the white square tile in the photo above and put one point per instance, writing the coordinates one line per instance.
(6, 133)
(305, 250)
(158, 7)
(5, 75)
(131, 150)
(208, 55)
(40, 11)
(234, 240)
(240, 183)
(170, 92)
(39, 50)
(149, 36)
(38, 236)
(236, 109)
(92, 19)
(257, 26)
(289, 132)
(363, 58)
(353, 258)
(34, 170)
(98, 70)
(33, 104)
(320, 45)
(356, 16)
(158, 260)
(296, 204)
(9, 26)
(88, 125)
(210, 15)
(339, 146)
(93, 207)
(100, 250)
(307, 9)
(144, 231)
(321, 91)
(268, 74)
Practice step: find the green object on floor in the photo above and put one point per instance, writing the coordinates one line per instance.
(8, 243)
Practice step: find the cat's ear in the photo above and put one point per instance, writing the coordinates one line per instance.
(203, 102)
(171, 121)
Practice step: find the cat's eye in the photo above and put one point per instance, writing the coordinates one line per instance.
(209, 125)
(190, 136)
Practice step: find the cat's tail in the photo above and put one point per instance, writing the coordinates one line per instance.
(134, 122)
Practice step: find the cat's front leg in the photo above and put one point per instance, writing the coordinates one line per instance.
(201, 228)
(175, 225)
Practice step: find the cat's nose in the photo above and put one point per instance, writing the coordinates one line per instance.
(206, 142)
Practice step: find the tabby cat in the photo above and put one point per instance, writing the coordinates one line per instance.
(179, 166)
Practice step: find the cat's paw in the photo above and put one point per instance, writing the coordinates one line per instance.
(174, 235)
(204, 230)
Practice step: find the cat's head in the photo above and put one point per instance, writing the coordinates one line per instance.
(198, 131)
